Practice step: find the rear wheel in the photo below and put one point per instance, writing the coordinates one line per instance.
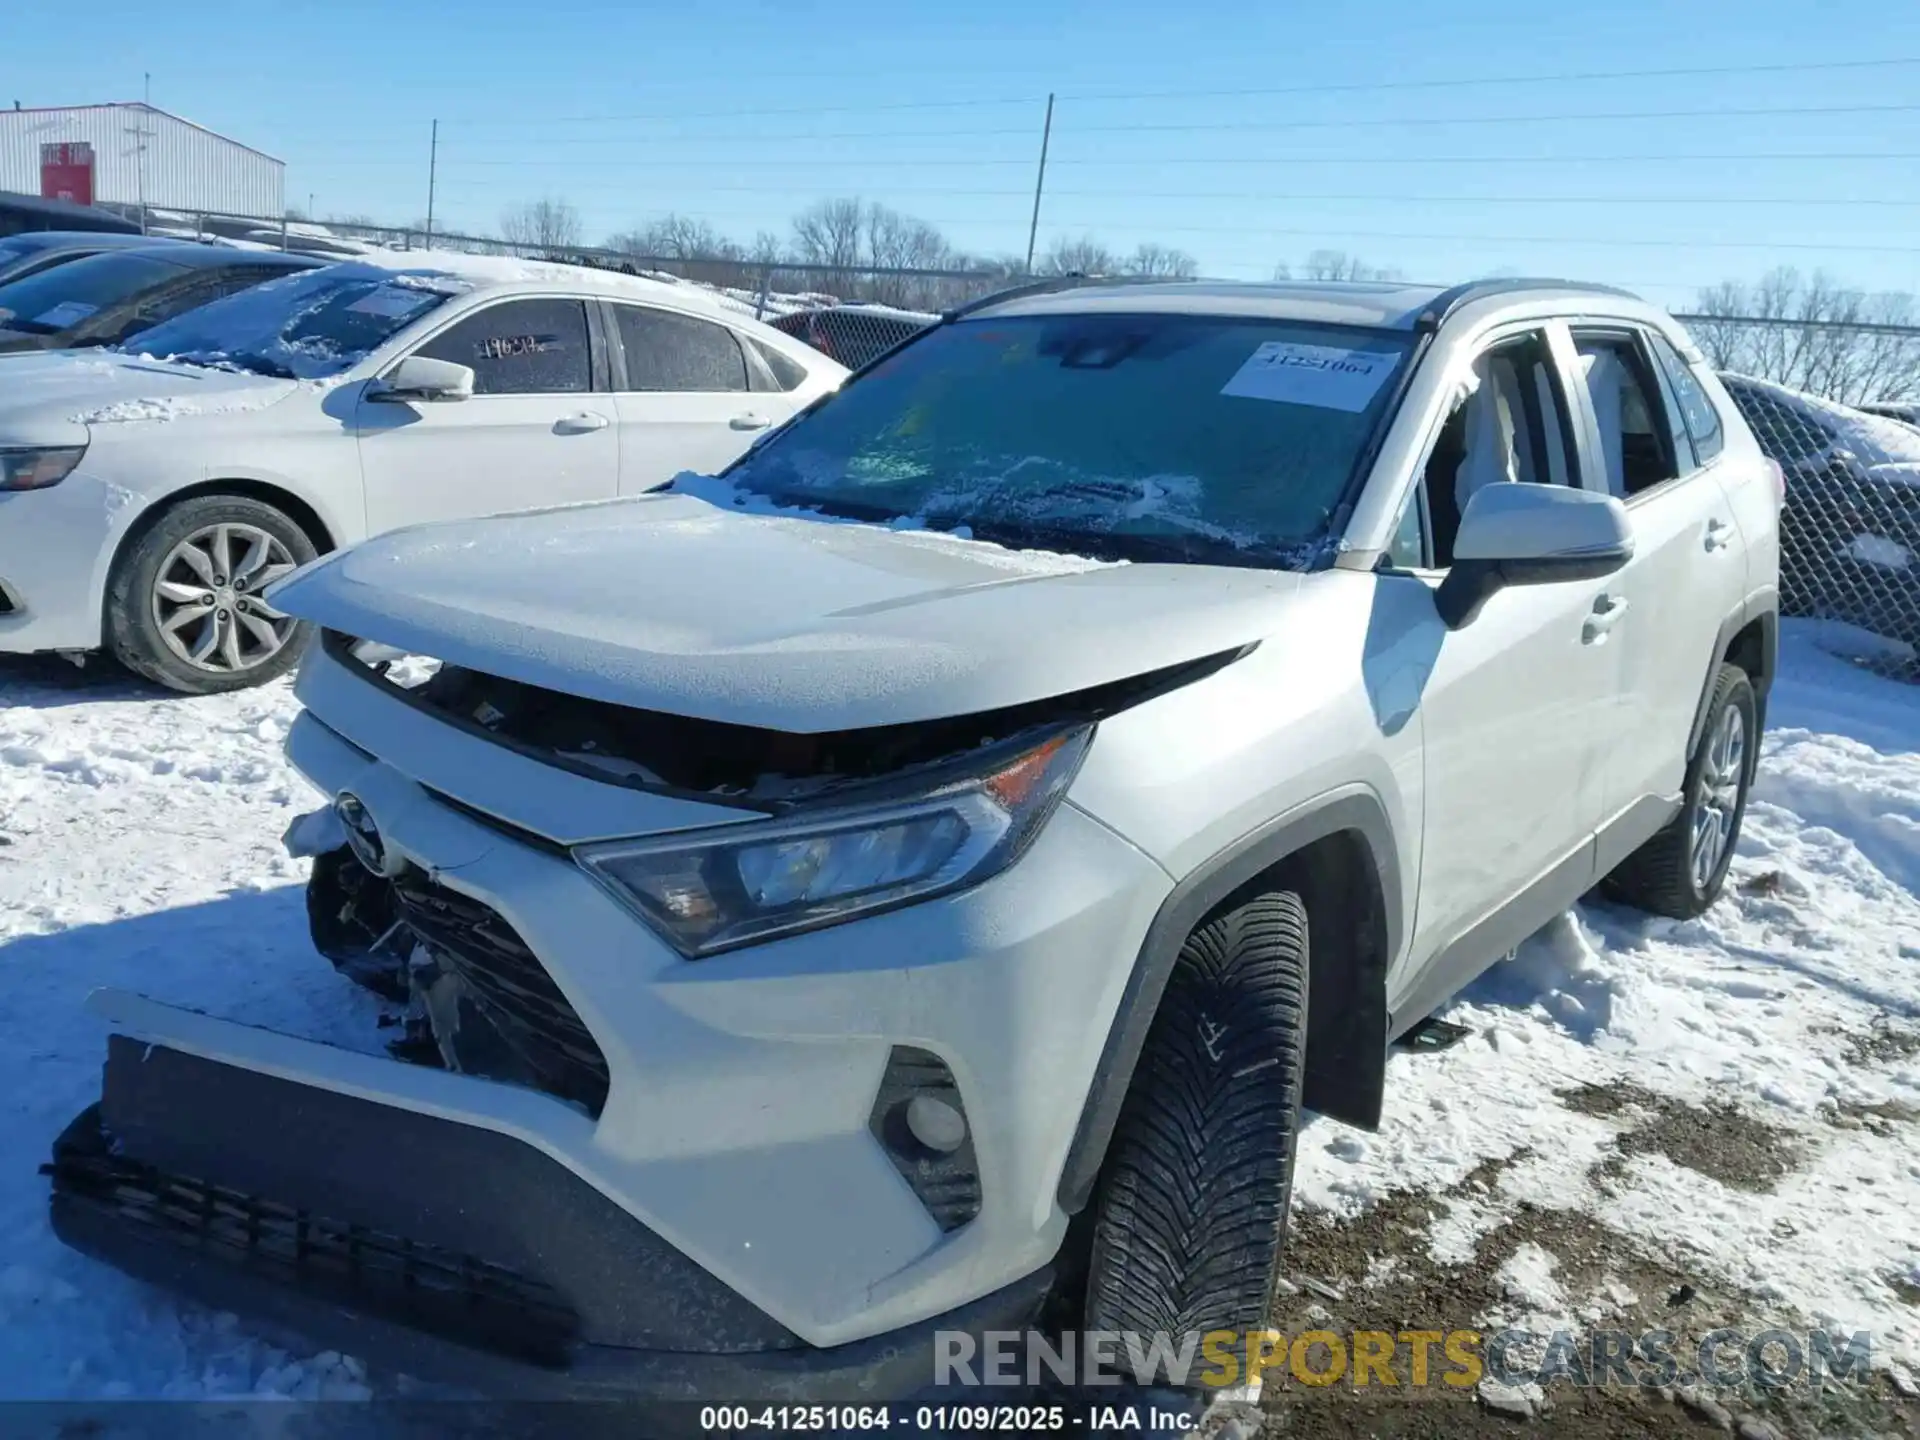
(1681, 871)
(184, 606)
(1192, 1208)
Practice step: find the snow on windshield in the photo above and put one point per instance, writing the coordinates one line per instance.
(1213, 439)
(309, 326)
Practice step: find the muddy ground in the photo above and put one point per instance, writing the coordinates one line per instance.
(1377, 1271)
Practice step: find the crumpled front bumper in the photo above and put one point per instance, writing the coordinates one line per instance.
(437, 1249)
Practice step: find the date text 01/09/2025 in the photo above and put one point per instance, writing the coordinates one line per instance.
(944, 1419)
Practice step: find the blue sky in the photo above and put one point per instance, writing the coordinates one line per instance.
(745, 113)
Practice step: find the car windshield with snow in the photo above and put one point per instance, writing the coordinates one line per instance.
(1223, 439)
(304, 327)
(873, 896)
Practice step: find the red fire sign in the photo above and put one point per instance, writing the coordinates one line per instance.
(66, 172)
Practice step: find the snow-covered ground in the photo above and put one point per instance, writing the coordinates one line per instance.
(139, 847)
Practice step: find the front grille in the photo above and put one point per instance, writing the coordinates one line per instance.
(508, 986)
(387, 1276)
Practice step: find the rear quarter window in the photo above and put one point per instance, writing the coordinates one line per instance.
(1696, 406)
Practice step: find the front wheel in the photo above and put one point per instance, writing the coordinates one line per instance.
(1192, 1207)
(184, 607)
(1681, 871)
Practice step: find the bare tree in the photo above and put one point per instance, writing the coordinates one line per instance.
(1336, 265)
(1162, 261)
(832, 232)
(541, 225)
(1085, 256)
(1804, 332)
(676, 237)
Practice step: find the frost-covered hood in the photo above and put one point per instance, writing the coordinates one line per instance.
(669, 603)
(52, 397)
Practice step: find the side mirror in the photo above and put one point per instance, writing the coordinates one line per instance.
(1520, 534)
(420, 378)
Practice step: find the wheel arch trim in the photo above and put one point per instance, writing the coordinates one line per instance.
(1352, 808)
(1762, 607)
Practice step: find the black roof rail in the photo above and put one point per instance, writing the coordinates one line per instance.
(1450, 300)
(1072, 280)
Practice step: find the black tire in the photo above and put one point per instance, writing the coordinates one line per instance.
(133, 619)
(1192, 1208)
(1661, 877)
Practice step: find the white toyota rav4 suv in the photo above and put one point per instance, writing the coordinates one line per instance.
(148, 494)
(929, 868)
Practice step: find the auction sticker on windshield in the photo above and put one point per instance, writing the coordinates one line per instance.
(66, 313)
(392, 302)
(1329, 376)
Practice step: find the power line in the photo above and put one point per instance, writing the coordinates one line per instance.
(883, 107)
(1462, 82)
(923, 161)
(1798, 202)
(1039, 98)
(785, 137)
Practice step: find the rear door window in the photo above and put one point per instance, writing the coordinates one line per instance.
(669, 352)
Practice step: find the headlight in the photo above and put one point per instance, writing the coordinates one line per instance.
(741, 884)
(35, 467)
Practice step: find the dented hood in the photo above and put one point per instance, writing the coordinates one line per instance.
(794, 623)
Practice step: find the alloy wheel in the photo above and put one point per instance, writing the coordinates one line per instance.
(1721, 776)
(206, 598)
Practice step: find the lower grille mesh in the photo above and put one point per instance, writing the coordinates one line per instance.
(389, 1276)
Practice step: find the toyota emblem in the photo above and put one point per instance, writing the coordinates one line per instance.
(363, 836)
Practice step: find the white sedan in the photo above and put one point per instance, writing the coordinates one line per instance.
(146, 499)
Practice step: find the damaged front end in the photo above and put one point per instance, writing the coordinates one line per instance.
(475, 1000)
(731, 1196)
(773, 771)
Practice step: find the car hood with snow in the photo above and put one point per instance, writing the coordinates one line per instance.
(52, 398)
(667, 602)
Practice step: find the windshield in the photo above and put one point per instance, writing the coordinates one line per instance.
(60, 298)
(1175, 437)
(307, 326)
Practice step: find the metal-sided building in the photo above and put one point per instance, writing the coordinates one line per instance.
(131, 154)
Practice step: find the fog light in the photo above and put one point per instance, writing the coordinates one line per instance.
(921, 1122)
(936, 1124)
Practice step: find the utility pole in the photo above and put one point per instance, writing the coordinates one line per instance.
(140, 134)
(1040, 181)
(433, 167)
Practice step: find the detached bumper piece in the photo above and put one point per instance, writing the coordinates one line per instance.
(431, 1248)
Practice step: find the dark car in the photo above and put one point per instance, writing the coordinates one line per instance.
(1907, 412)
(852, 334)
(1850, 531)
(20, 213)
(110, 297)
(35, 250)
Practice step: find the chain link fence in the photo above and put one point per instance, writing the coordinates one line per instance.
(1851, 527)
(853, 313)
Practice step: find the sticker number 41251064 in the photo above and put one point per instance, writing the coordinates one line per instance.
(1329, 376)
